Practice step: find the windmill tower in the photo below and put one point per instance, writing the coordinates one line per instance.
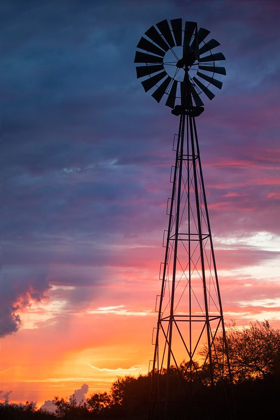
(176, 64)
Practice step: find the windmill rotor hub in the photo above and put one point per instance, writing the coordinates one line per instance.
(185, 62)
(181, 63)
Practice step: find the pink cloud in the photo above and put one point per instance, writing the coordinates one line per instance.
(274, 195)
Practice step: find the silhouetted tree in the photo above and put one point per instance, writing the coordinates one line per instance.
(23, 412)
(131, 395)
(254, 352)
(99, 404)
(70, 410)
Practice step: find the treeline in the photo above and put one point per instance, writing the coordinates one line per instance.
(254, 355)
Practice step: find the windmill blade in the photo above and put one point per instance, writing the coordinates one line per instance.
(172, 95)
(165, 30)
(211, 80)
(204, 89)
(146, 58)
(177, 30)
(146, 45)
(160, 91)
(147, 70)
(209, 46)
(152, 81)
(189, 30)
(212, 57)
(153, 34)
(197, 100)
(196, 97)
(202, 34)
(195, 47)
(213, 69)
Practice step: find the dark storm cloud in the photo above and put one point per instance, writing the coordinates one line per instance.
(85, 153)
(18, 288)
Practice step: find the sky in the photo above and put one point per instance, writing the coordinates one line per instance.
(85, 163)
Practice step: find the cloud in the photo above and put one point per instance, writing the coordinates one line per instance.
(6, 397)
(80, 394)
(118, 310)
(119, 371)
(18, 289)
(48, 406)
(264, 303)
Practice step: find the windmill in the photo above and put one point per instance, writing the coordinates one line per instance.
(177, 64)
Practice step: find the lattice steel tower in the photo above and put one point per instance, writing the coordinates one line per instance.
(177, 63)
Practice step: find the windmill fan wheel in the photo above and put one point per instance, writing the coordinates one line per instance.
(175, 60)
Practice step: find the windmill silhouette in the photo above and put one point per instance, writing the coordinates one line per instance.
(176, 63)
